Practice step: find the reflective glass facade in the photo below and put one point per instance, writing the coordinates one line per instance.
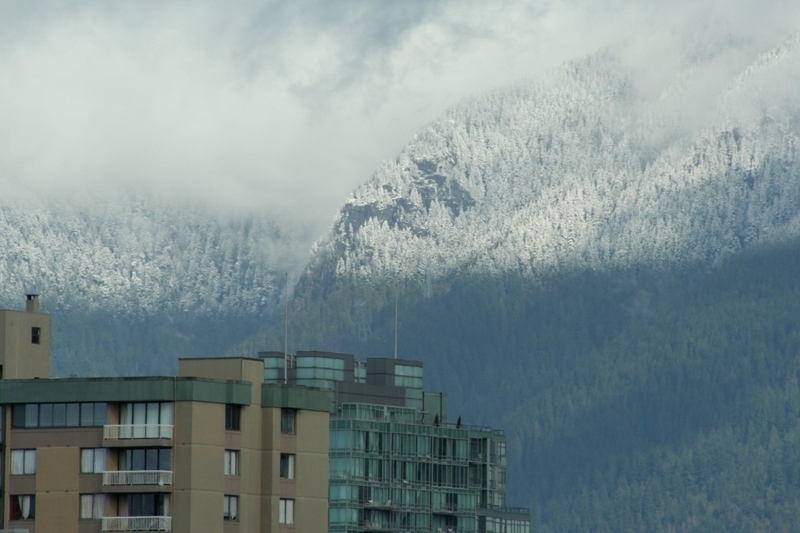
(395, 463)
(318, 371)
(389, 471)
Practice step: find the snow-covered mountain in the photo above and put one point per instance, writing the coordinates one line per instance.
(588, 167)
(132, 255)
(134, 282)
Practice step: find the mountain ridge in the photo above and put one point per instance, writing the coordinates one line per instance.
(567, 173)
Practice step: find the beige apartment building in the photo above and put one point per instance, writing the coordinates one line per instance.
(214, 449)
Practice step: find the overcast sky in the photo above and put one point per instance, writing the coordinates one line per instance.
(286, 106)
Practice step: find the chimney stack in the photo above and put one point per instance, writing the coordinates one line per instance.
(32, 303)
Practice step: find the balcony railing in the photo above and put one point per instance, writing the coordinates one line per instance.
(446, 508)
(503, 508)
(137, 477)
(137, 523)
(137, 431)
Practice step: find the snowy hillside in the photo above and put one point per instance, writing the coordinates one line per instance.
(140, 257)
(586, 168)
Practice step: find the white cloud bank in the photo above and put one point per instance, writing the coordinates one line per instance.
(285, 106)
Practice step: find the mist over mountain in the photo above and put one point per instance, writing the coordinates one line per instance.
(590, 167)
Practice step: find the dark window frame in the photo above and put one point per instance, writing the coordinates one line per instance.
(227, 515)
(15, 511)
(288, 421)
(233, 417)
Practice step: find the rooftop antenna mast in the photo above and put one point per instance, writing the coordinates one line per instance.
(286, 331)
(395, 319)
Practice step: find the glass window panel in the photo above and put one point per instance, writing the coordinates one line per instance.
(59, 415)
(165, 459)
(286, 513)
(73, 414)
(31, 415)
(99, 413)
(287, 421)
(45, 415)
(87, 414)
(17, 462)
(99, 460)
(153, 412)
(99, 507)
(166, 413)
(18, 416)
(30, 462)
(139, 413)
(230, 508)
(151, 459)
(137, 459)
(287, 466)
(87, 504)
(87, 460)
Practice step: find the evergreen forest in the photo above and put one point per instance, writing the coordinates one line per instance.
(632, 400)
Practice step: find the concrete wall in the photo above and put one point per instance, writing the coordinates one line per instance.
(20, 358)
(57, 490)
(247, 486)
(198, 462)
(311, 471)
(309, 488)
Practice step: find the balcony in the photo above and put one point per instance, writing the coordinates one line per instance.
(137, 523)
(137, 431)
(136, 479)
(447, 508)
(377, 526)
(377, 504)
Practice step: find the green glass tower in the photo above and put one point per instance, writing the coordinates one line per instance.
(396, 464)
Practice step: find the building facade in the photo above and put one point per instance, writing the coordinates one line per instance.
(311, 442)
(395, 463)
(214, 449)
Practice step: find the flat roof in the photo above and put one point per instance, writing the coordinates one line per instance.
(125, 389)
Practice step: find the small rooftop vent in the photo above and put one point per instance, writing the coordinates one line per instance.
(32, 303)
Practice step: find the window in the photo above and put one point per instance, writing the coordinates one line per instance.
(35, 415)
(287, 421)
(231, 462)
(233, 415)
(22, 507)
(23, 462)
(287, 466)
(147, 419)
(36, 335)
(140, 459)
(230, 510)
(286, 514)
(93, 460)
(148, 504)
(93, 505)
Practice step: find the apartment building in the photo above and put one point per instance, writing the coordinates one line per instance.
(214, 449)
(396, 464)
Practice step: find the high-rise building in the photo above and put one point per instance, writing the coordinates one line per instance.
(396, 464)
(214, 449)
(311, 442)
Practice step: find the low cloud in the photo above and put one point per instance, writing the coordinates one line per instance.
(285, 107)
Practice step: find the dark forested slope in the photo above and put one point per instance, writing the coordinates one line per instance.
(656, 400)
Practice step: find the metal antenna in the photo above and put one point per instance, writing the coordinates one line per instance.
(286, 331)
(395, 319)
